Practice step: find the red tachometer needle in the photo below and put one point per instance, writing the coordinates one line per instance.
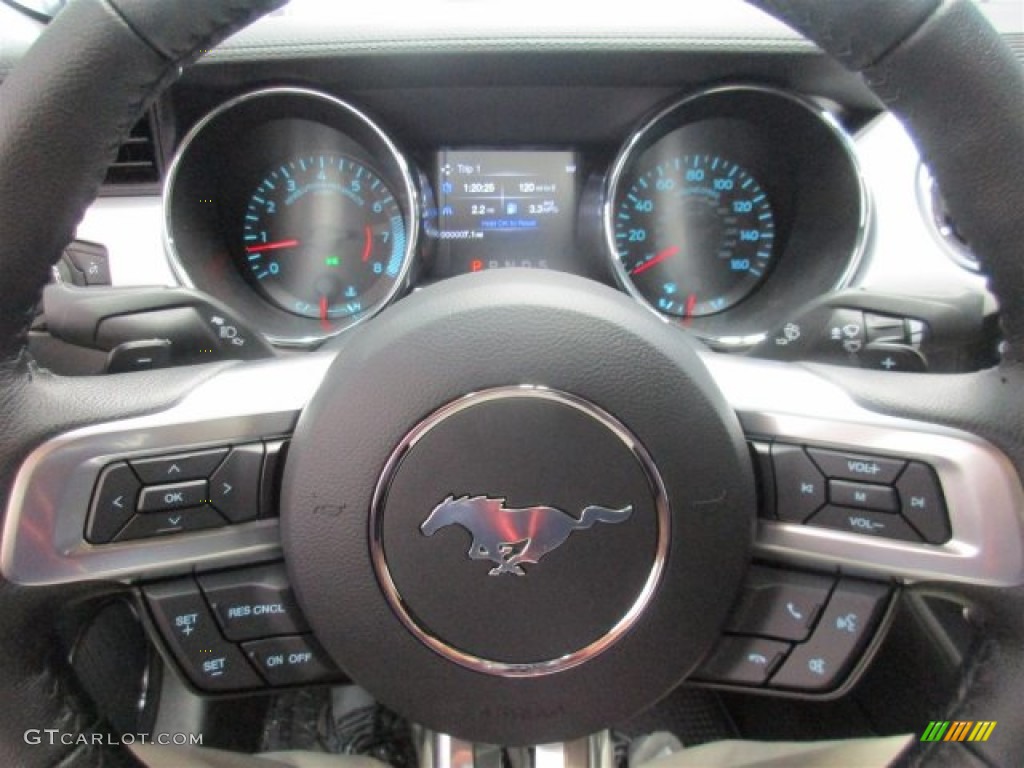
(272, 246)
(368, 244)
(324, 321)
(664, 255)
(691, 304)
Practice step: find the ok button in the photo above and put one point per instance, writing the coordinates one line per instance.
(161, 498)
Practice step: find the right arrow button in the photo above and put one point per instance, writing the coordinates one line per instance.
(234, 487)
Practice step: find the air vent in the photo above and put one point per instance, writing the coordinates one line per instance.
(136, 159)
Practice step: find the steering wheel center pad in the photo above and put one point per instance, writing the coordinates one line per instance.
(590, 416)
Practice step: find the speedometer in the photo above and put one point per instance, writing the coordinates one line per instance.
(693, 233)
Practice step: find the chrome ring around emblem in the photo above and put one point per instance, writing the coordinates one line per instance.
(507, 561)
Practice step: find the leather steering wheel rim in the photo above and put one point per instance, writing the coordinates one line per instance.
(937, 65)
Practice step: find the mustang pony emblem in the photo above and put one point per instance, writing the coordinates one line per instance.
(509, 537)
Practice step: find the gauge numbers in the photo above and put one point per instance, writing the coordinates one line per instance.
(693, 234)
(324, 237)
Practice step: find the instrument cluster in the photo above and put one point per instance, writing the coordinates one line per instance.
(720, 211)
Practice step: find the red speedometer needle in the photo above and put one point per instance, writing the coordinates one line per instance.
(367, 244)
(271, 246)
(664, 255)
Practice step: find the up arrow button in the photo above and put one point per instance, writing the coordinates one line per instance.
(182, 466)
(235, 486)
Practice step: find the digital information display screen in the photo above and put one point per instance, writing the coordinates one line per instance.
(505, 208)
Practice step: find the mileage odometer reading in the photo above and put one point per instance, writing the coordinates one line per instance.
(693, 234)
(324, 237)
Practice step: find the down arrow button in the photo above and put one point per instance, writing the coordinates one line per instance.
(234, 487)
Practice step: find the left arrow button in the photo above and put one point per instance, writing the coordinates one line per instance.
(113, 503)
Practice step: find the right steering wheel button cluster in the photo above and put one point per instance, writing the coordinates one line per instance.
(872, 495)
(798, 631)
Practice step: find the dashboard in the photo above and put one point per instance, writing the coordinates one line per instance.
(713, 166)
(299, 209)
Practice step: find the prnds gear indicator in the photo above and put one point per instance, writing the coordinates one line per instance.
(505, 209)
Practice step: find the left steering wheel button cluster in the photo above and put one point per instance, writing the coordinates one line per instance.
(155, 496)
(185, 621)
(237, 630)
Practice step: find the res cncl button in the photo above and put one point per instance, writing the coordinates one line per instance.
(253, 603)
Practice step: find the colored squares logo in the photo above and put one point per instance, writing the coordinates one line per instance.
(958, 730)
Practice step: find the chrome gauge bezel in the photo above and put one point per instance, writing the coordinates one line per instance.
(680, 113)
(376, 144)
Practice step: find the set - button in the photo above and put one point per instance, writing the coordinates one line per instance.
(876, 496)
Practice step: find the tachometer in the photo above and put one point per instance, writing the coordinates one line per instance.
(693, 233)
(324, 237)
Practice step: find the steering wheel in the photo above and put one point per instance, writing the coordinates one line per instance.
(438, 394)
